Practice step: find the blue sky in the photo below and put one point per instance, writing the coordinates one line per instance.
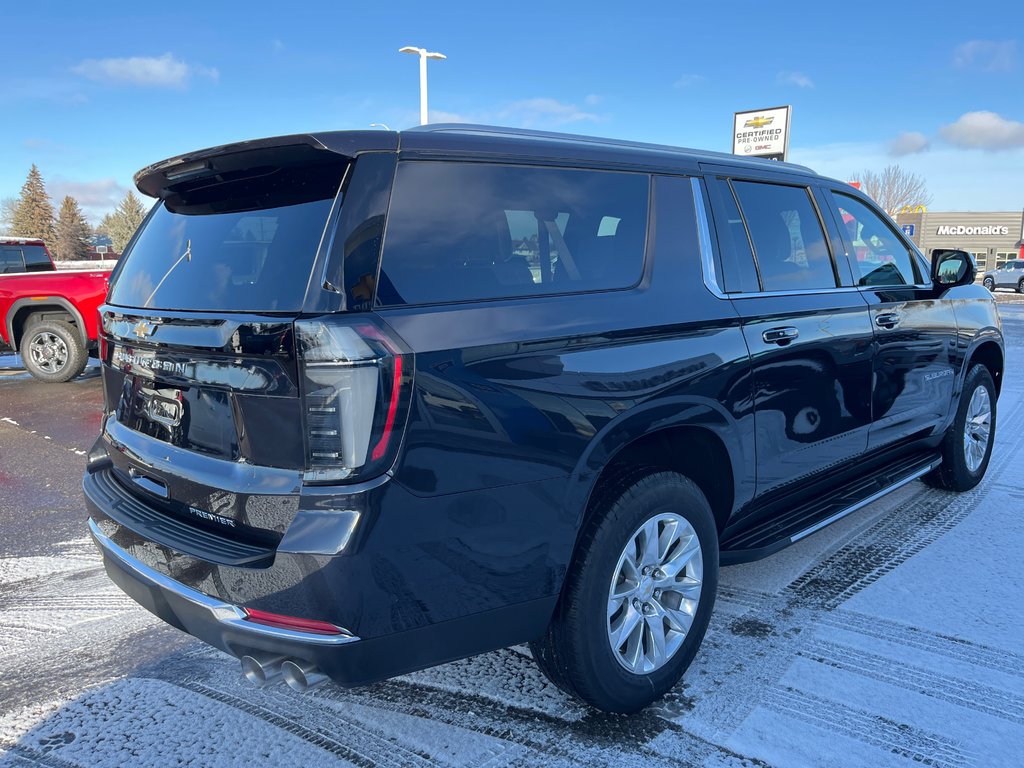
(94, 91)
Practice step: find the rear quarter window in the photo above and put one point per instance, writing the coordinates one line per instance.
(467, 231)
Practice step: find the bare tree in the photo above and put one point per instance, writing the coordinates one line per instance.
(7, 208)
(894, 189)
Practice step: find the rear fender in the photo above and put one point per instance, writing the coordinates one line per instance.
(665, 413)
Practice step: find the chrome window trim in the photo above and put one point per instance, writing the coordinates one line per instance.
(224, 613)
(707, 256)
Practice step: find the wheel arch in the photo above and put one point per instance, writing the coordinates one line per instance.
(696, 438)
(990, 354)
(22, 309)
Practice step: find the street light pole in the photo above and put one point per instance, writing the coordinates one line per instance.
(424, 54)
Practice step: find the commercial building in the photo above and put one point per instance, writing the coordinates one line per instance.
(993, 238)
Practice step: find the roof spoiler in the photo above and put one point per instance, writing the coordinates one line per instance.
(163, 179)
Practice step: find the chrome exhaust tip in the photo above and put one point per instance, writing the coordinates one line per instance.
(301, 676)
(261, 670)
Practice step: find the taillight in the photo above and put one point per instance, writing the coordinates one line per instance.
(356, 381)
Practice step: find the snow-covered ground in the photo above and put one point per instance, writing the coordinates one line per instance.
(893, 638)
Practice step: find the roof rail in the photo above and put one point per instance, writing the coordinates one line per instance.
(527, 133)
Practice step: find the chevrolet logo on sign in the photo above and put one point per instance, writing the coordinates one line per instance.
(758, 122)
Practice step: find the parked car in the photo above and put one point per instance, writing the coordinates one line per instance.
(51, 318)
(1010, 275)
(378, 401)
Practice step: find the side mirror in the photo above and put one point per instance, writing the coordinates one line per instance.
(950, 268)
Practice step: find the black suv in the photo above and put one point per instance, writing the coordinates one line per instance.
(376, 401)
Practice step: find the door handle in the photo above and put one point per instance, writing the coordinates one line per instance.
(887, 319)
(780, 336)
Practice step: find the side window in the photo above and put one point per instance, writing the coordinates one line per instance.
(880, 257)
(11, 260)
(467, 231)
(738, 271)
(36, 259)
(789, 243)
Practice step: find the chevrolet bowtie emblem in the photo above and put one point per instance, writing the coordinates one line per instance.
(758, 122)
(142, 329)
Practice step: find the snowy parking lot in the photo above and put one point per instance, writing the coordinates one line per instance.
(893, 638)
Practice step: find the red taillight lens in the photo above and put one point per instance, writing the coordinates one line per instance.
(356, 379)
(291, 622)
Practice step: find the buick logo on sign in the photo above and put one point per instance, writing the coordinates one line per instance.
(142, 329)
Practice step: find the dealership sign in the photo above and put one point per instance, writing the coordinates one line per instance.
(762, 133)
(960, 229)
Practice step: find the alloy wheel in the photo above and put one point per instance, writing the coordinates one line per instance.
(49, 352)
(977, 428)
(654, 594)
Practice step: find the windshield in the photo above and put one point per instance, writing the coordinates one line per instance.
(206, 254)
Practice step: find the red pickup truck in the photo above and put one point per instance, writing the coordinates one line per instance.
(50, 317)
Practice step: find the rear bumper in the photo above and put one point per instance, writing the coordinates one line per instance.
(214, 621)
(346, 659)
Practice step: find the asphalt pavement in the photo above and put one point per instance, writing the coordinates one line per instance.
(892, 638)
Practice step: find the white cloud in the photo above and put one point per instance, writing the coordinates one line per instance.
(986, 55)
(798, 79)
(95, 197)
(958, 180)
(984, 130)
(593, 99)
(909, 143)
(544, 111)
(541, 112)
(685, 81)
(158, 71)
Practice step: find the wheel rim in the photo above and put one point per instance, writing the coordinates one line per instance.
(48, 351)
(654, 594)
(978, 428)
(989, 284)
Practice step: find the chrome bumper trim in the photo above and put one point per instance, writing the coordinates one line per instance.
(226, 614)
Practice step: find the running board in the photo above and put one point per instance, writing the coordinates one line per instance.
(789, 526)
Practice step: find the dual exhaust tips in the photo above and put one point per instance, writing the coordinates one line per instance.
(262, 670)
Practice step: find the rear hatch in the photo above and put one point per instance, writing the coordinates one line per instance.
(223, 399)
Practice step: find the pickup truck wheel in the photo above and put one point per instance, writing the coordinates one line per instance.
(637, 601)
(967, 446)
(52, 351)
(1020, 285)
(989, 283)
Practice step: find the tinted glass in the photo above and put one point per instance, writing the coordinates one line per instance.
(881, 257)
(465, 231)
(204, 254)
(739, 272)
(11, 260)
(789, 243)
(36, 259)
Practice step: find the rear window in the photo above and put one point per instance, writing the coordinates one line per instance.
(466, 231)
(11, 260)
(247, 245)
(36, 259)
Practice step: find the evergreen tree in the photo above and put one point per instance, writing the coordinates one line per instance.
(71, 237)
(34, 215)
(122, 223)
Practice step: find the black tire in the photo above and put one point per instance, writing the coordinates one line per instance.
(46, 337)
(989, 283)
(1020, 285)
(954, 474)
(576, 653)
